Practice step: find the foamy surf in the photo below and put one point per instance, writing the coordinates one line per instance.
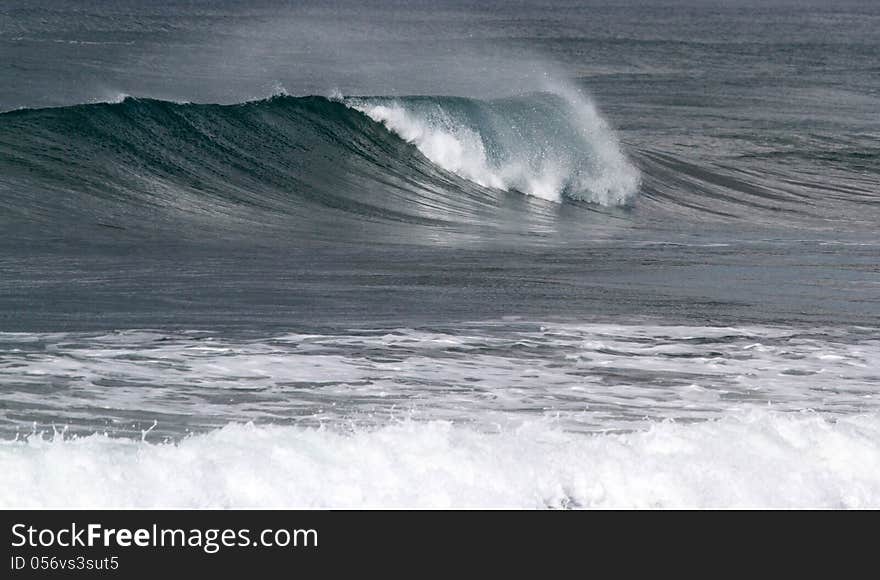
(749, 459)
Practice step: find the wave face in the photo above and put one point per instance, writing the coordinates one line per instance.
(757, 459)
(282, 160)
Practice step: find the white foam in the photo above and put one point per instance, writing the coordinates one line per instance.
(453, 147)
(112, 97)
(751, 459)
(532, 155)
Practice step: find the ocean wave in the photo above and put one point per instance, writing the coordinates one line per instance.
(290, 159)
(753, 459)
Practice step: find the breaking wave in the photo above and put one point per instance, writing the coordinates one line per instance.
(752, 459)
(551, 146)
(305, 161)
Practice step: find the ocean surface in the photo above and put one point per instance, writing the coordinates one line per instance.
(440, 254)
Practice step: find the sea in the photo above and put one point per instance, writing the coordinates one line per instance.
(440, 254)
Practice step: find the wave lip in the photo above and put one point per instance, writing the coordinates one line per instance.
(550, 145)
(751, 459)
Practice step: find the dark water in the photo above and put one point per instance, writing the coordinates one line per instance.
(568, 175)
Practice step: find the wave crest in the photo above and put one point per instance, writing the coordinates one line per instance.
(550, 145)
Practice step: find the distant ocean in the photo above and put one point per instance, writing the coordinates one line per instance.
(438, 254)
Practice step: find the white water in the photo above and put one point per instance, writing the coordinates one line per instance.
(748, 459)
(581, 158)
(589, 376)
(503, 414)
